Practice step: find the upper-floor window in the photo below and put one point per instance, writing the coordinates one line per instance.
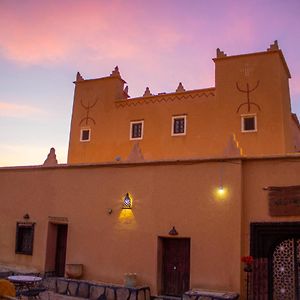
(179, 125)
(248, 123)
(136, 130)
(24, 238)
(85, 134)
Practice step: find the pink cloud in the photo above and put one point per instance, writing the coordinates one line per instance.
(56, 31)
(18, 111)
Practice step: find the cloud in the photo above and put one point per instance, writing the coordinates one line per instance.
(47, 32)
(18, 110)
(28, 154)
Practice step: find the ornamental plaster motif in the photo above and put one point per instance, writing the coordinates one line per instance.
(165, 98)
(220, 53)
(87, 107)
(135, 154)
(79, 77)
(51, 159)
(274, 46)
(248, 90)
(180, 88)
(115, 72)
(147, 92)
(232, 148)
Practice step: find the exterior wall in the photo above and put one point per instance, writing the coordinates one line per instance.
(110, 134)
(164, 195)
(264, 73)
(258, 174)
(296, 133)
(213, 115)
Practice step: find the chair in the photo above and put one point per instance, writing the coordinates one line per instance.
(7, 288)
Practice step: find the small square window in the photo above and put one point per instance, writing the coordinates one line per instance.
(179, 125)
(24, 238)
(136, 130)
(85, 135)
(249, 123)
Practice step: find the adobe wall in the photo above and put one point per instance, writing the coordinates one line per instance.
(257, 175)
(164, 195)
(212, 114)
(266, 79)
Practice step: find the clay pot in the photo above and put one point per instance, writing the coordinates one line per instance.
(74, 270)
(130, 279)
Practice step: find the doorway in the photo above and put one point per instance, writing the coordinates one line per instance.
(56, 249)
(61, 249)
(276, 251)
(285, 270)
(174, 265)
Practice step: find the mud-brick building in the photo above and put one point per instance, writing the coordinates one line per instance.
(174, 187)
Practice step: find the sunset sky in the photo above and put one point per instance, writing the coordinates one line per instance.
(155, 43)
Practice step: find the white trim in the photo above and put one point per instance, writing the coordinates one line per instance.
(142, 130)
(85, 129)
(245, 116)
(185, 125)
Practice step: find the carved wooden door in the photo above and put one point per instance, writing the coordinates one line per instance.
(175, 266)
(285, 270)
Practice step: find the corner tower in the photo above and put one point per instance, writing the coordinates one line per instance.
(93, 100)
(254, 101)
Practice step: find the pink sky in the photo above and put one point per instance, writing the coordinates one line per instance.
(155, 43)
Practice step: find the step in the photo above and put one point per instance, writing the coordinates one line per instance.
(163, 297)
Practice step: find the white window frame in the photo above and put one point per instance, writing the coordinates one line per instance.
(142, 131)
(185, 125)
(81, 131)
(245, 116)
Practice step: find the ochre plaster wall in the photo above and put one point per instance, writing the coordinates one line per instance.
(164, 195)
(258, 174)
(264, 73)
(212, 114)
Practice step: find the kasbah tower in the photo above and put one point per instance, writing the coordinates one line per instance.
(249, 106)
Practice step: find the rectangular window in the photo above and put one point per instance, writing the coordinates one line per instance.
(136, 130)
(248, 123)
(85, 135)
(24, 238)
(178, 125)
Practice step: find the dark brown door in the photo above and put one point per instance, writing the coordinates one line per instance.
(61, 248)
(175, 266)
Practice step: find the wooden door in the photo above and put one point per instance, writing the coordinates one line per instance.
(175, 266)
(61, 249)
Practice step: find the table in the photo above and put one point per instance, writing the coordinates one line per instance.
(25, 279)
(208, 294)
(26, 284)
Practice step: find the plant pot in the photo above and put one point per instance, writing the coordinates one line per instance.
(248, 268)
(74, 271)
(130, 279)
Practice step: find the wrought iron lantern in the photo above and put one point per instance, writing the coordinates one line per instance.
(127, 202)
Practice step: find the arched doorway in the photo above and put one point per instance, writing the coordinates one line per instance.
(276, 251)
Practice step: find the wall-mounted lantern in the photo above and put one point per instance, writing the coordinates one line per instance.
(173, 231)
(127, 202)
(26, 217)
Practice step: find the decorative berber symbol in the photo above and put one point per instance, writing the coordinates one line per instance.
(248, 90)
(88, 107)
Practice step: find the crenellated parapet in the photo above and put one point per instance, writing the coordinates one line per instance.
(170, 97)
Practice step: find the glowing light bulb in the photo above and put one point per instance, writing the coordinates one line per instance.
(221, 190)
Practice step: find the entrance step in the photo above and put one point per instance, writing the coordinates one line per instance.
(162, 297)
